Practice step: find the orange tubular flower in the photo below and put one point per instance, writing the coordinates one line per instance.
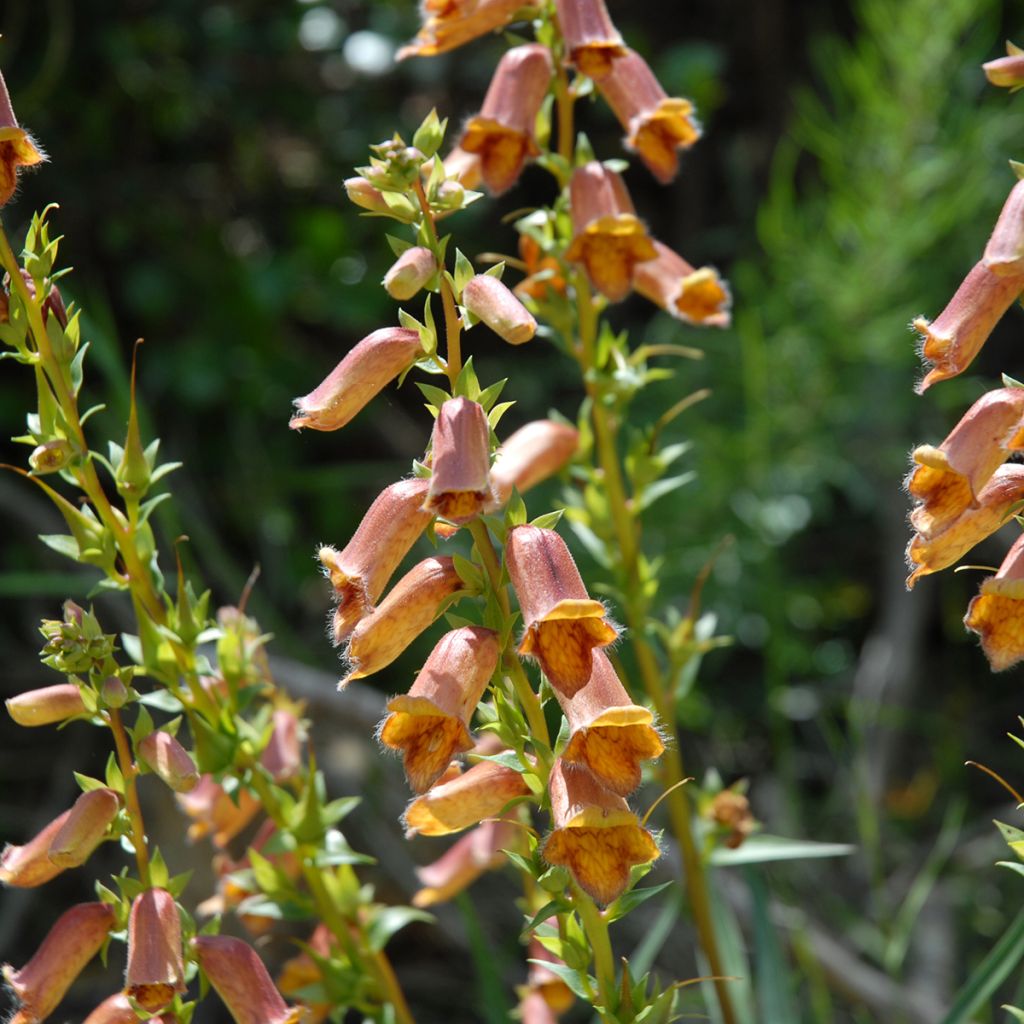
(535, 1009)
(532, 454)
(698, 297)
(430, 724)
(592, 42)
(657, 125)
(413, 604)
(928, 554)
(46, 706)
(156, 969)
(608, 237)
(951, 342)
(460, 485)
(16, 147)
(163, 755)
(495, 304)
(465, 861)
(71, 943)
(84, 829)
(213, 811)
(534, 286)
(360, 572)
(1008, 71)
(596, 836)
(28, 866)
(1004, 254)
(482, 792)
(237, 973)
(368, 368)
(502, 133)
(947, 479)
(450, 23)
(997, 613)
(608, 732)
(563, 624)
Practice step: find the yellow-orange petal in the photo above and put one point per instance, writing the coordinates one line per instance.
(428, 740)
(563, 642)
(610, 249)
(482, 792)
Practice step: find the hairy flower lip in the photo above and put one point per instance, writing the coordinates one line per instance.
(447, 27)
(694, 296)
(460, 485)
(17, 147)
(996, 613)
(592, 42)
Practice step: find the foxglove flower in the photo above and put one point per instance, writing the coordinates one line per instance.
(470, 856)
(532, 454)
(163, 755)
(997, 613)
(1006, 72)
(214, 813)
(460, 485)
(156, 968)
(46, 706)
(592, 42)
(544, 274)
(450, 23)
(117, 1009)
(17, 149)
(697, 297)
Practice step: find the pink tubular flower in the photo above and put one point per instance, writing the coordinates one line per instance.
(657, 125)
(214, 812)
(997, 613)
(931, 552)
(607, 237)
(46, 706)
(482, 792)
(368, 368)
(471, 855)
(430, 724)
(28, 866)
(156, 969)
(71, 943)
(608, 733)
(360, 572)
(1004, 253)
(592, 42)
(163, 755)
(532, 454)
(698, 297)
(411, 606)
(282, 756)
(562, 623)
(241, 980)
(450, 23)
(502, 133)
(493, 303)
(85, 828)
(409, 273)
(460, 485)
(951, 342)
(596, 836)
(948, 479)
(1006, 72)
(16, 147)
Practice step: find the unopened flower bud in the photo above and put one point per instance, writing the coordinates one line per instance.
(47, 705)
(410, 272)
(163, 755)
(114, 692)
(17, 149)
(50, 456)
(451, 23)
(28, 866)
(241, 980)
(85, 828)
(694, 296)
(1004, 254)
(450, 195)
(460, 485)
(156, 968)
(368, 368)
(532, 454)
(365, 195)
(493, 303)
(1006, 72)
(592, 43)
(411, 606)
(71, 943)
(282, 756)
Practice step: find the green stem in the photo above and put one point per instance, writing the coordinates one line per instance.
(131, 794)
(596, 927)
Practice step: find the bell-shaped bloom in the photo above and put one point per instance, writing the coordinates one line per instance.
(410, 607)
(948, 479)
(533, 453)
(163, 755)
(282, 756)
(657, 125)
(997, 613)
(359, 573)
(450, 23)
(502, 133)
(71, 943)
(544, 273)
(28, 866)
(1006, 72)
(608, 733)
(241, 980)
(367, 369)
(430, 724)
(951, 342)
(482, 792)
(592, 42)
(46, 706)
(495, 304)
(470, 856)
(697, 297)
(302, 970)
(409, 273)
(156, 968)
(596, 836)
(943, 548)
(562, 623)
(214, 813)
(607, 236)
(117, 1009)
(17, 149)
(460, 485)
(1004, 253)
(85, 828)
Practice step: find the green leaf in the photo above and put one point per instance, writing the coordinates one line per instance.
(660, 488)
(336, 850)
(549, 520)
(162, 700)
(763, 849)
(87, 783)
(115, 780)
(158, 873)
(771, 972)
(989, 974)
(490, 394)
(464, 273)
(389, 920)
(1014, 1012)
(574, 979)
(629, 900)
